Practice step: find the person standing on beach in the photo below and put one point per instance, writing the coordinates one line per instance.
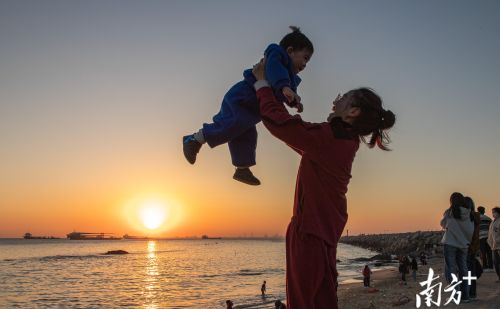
(414, 268)
(263, 288)
(327, 152)
(229, 304)
(404, 266)
(494, 239)
(423, 258)
(458, 229)
(474, 246)
(366, 276)
(486, 255)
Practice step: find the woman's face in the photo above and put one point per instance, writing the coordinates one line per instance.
(341, 107)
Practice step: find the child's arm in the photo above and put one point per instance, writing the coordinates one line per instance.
(300, 136)
(278, 76)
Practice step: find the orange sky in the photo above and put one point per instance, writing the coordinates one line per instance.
(93, 196)
(95, 98)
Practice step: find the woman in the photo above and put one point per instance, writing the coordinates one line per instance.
(474, 246)
(320, 207)
(458, 229)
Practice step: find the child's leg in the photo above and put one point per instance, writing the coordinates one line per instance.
(243, 147)
(242, 150)
(232, 121)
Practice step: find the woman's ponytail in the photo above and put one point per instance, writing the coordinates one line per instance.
(373, 120)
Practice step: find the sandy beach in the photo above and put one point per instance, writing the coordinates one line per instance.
(390, 290)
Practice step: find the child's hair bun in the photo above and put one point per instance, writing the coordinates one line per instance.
(295, 28)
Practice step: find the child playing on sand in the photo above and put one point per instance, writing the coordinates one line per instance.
(366, 276)
(239, 113)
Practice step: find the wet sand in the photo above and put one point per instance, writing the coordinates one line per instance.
(391, 290)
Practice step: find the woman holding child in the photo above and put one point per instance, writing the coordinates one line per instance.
(320, 207)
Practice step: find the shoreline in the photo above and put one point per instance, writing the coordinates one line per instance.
(388, 290)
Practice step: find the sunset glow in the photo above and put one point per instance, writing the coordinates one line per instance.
(153, 215)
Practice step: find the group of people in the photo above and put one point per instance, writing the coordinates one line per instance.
(327, 153)
(464, 237)
(405, 265)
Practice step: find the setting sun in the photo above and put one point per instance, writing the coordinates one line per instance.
(153, 215)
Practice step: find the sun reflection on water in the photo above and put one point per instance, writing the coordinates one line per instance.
(151, 287)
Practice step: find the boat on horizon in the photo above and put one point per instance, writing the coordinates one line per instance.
(92, 236)
(30, 236)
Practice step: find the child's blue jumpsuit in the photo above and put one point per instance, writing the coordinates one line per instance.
(239, 113)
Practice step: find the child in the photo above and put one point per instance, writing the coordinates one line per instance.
(366, 276)
(239, 113)
(263, 288)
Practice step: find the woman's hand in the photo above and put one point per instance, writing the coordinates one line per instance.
(258, 70)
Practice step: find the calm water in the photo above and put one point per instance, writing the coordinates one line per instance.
(156, 274)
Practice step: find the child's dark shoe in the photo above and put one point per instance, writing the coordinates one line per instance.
(191, 148)
(245, 175)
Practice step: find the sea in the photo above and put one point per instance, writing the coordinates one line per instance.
(202, 273)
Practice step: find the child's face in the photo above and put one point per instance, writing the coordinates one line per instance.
(299, 58)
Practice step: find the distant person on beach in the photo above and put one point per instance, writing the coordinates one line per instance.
(423, 258)
(474, 246)
(327, 152)
(486, 254)
(404, 268)
(366, 276)
(458, 228)
(414, 268)
(229, 304)
(263, 288)
(239, 113)
(494, 239)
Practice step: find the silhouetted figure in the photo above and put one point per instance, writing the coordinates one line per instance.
(474, 246)
(235, 123)
(263, 288)
(494, 239)
(484, 226)
(366, 276)
(279, 305)
(229, 304)
(423, 258)
(328, 150)
(458, 226)
(414, 268)
(404, 268)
